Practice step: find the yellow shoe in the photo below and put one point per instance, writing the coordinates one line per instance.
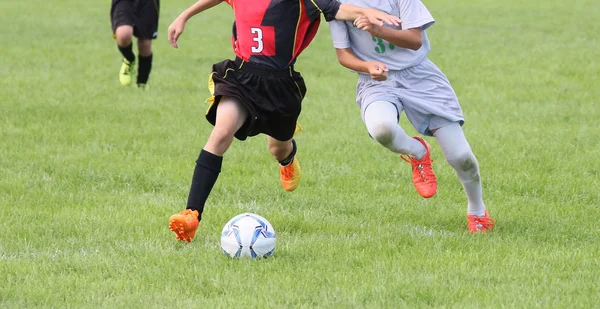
(126, 73)
(290, 175)
(184, 224)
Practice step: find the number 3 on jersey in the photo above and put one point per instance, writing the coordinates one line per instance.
(257, 36)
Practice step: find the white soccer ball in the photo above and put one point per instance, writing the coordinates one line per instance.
(248, 235)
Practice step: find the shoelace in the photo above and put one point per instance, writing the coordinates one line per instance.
(288, 171)
(483, 222)
(419, 164)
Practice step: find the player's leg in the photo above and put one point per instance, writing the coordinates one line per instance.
(444, 121)
(144, 62)
(289, 166)
(124, 38)
(459, 155)
(286, 92)
(121, 15)
(146, 30)
(381, 120)
(230, 116)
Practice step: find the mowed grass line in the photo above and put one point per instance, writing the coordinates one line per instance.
(90, 172)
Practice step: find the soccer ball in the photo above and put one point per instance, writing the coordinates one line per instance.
(248, 235)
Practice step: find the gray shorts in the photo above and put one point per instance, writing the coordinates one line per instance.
(422, 91)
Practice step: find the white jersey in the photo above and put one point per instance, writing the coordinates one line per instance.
(413, 15)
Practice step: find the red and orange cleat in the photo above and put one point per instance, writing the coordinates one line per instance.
(290, 175)
(480, 224)
(423, 175)
(184, 224)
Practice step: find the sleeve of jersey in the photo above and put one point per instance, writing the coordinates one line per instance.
(414, 14)
(328, 8)
(339, 34)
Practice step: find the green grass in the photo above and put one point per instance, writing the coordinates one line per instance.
(90, 172)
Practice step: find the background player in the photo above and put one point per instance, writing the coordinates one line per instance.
(139, 18)
(259, 92)
(394, 75)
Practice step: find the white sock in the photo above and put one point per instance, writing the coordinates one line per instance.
(460, 156)
(381, 119)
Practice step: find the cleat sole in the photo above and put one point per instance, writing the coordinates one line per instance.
(178, 227)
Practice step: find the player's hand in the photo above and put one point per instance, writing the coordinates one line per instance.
(364, 24)
(175, 30)
(379, 18)
(377, 70)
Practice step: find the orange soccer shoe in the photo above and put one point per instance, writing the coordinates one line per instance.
(480, 224)
(184, 224)
(423, 175)
(290, 175)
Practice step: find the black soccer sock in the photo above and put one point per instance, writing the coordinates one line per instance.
(127, 52)
(290, 158)
(208, 167)
(144, 67)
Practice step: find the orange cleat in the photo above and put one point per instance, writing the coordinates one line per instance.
(423, 175)
(290, 175)
(184, 224)
(480, 224)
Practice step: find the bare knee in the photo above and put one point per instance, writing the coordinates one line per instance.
(124, 35)
(219, 140)
(145, 47)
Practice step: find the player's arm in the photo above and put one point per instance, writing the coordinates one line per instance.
(409, 38)
(176, 28)
(332, 9)
(375, 17)
(347, 58)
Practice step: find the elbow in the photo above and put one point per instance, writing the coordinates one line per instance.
(341, 57)
(416, 39)
(416, 45)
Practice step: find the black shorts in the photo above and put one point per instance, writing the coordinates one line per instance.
(273, 97)
(142, 15)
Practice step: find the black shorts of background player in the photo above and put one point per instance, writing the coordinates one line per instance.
(137, 18)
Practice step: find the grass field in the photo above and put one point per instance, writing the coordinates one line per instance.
(90, 172)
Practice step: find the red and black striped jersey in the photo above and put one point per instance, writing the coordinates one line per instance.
(273, 33)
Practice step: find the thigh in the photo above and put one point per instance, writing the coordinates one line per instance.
(121, 14)
(146, 19)
(224, 82)
(381, 112)
(280, 105)
(281, 121)
(428, 98)
(369, 91)
(278, 126)
(230, 115)
(380, 119)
